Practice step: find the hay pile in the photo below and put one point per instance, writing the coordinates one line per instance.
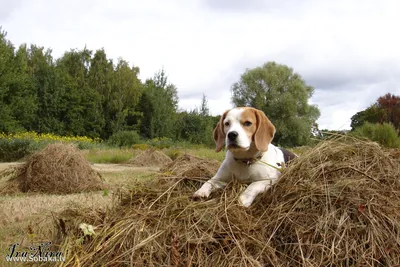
(150, 158)
(8, 183)
(338, 205)
(188, 166)
(57, 169)
(191, 171)
(395, 154)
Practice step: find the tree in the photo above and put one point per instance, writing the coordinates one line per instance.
(82, 111)
(372, 114)
(100, 77)
(196, 126)
(385, 109)
(283, 96)
(24, 100)
(125, 95)
(48, 89)
(158, 106)
(204, 110)
(7, 120)
(18, 101)
(391, 104)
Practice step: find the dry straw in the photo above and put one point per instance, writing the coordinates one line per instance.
(150, 158)
(337, 205)
(191, 171)
(59, 169)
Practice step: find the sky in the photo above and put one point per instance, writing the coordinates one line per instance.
(348, 50)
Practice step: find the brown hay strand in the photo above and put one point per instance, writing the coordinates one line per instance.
(338, 205)
(9, 185)
(193, 169)
(150, 158)
(395, 154)
(68, 220)
(59, 169)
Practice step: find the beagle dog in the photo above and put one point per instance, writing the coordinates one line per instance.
(250, 157)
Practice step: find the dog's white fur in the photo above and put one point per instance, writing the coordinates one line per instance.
(247, 145)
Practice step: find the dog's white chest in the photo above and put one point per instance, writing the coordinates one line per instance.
(257, 171)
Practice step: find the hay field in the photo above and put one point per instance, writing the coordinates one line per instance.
(337, 205)
(27, 218)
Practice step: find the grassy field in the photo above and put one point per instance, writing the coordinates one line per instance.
(116, 155)
(110, 155)
(29, 218)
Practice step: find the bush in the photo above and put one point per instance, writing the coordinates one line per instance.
(140, 146)
(124, 139)
(15, 149)
(160, 143)
(174, 154)
(385, 133)
(109, 155)
(15, 146)
(85, 145)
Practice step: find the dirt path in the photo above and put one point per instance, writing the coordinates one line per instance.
(106, 167)
(5, 165)
(100, 167)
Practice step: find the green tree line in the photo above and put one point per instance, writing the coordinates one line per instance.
(85, 93)
(88, 94)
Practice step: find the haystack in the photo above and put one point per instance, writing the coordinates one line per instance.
(150, 158)
(192, 171)
(189, 166)
(8, 183)
(395, 153)
(338, 205)
(57, 169)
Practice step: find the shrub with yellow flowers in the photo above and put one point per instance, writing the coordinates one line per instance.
(14, 146)
(48, 137)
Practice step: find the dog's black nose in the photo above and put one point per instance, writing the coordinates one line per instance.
(232, 135)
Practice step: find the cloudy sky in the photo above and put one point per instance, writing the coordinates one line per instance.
(349, 51)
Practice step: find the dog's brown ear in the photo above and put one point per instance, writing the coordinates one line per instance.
(265, 131)
(219, 134)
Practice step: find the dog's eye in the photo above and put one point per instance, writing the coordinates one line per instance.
(226, 123)
(247, 123)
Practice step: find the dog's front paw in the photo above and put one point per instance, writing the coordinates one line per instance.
(246, 200)
(203, 192)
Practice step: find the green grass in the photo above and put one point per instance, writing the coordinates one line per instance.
(116, 155)
(109, 155)
(206, 153)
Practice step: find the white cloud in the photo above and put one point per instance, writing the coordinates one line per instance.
(349, 49)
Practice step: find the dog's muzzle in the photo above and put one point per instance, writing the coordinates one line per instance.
(232, 136)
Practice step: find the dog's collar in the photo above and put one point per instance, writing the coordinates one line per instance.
(249, 161)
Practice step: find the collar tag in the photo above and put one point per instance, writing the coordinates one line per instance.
(249, 161)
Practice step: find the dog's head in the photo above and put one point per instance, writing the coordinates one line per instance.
(238, 128)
